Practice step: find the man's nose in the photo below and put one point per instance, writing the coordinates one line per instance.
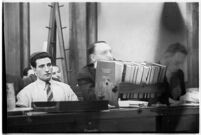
(47, 68)
(109, 55)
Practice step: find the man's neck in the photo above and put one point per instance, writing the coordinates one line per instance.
(44, 80)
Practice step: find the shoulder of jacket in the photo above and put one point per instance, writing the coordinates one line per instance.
(60, 83)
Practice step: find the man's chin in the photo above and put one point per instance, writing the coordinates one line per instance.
(46, 79)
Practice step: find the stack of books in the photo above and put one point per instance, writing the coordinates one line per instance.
(143, 73)
(112, 73)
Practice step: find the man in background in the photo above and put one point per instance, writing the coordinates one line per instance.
(28, 77)
(56, 73)
(27, 72)
(86, 78)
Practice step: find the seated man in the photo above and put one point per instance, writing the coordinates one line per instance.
(86, 78)
(173, 58)
(44, 88)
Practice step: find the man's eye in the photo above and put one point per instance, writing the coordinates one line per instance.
(41, 66)
(105, 52)
(49, 64)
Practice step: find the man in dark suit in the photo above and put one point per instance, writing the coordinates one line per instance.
(86, 78)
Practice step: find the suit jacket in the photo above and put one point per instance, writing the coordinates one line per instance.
(86, 81)
(176, 80)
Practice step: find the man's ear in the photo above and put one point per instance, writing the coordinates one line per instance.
(92, 58)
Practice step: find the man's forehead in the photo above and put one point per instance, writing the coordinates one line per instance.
(43, 61)
(102, 46)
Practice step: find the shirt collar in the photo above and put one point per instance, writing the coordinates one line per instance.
(41, 84)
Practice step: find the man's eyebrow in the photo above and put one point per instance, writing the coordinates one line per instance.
(41, 65)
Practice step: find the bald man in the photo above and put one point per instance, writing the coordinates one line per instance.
(86, 78)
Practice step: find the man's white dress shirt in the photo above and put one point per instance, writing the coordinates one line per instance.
(36, 91)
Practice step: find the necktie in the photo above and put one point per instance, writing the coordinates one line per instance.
(49, 92)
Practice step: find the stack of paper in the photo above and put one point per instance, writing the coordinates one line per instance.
(132, 103)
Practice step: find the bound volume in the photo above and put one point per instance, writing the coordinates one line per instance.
(108, 75)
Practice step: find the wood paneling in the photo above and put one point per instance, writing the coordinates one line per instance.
(25, 34)
(91, 23)
(12, 38)
(16, 37)
(193, 42)
(77, 40)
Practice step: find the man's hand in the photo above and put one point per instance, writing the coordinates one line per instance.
(176, 93)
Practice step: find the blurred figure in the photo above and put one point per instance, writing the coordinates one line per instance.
(28, 77)
(173, 58)
(30, 72)
(27, 72)
(56, 73)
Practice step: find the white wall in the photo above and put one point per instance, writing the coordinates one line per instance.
(39, 19)
(134, 30)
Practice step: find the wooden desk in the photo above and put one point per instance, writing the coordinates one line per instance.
(151, 120)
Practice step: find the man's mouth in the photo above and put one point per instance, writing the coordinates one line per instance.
(48, 74)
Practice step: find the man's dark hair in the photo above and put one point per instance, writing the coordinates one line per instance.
(38, 55)
(25, 71)
(91, 47)
(176, 47)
